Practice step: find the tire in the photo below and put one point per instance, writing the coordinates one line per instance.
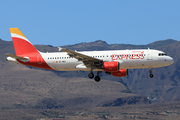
(151, 75)
(97, 78)
(91, 75)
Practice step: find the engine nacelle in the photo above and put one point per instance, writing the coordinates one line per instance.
(120, 73)
(111, 66)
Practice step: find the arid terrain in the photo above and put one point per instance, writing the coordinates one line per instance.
(156, 111)
(30, 93)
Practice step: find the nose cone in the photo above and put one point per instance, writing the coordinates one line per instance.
(170, 60)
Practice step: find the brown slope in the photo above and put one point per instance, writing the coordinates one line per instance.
(164, 87)
(21, 87)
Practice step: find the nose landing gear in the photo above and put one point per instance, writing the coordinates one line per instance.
(151, 75)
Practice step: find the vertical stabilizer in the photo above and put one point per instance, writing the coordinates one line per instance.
(22, 45)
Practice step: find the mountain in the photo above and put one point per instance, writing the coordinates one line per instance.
(102, 45)
(24, 87)
(164, 87)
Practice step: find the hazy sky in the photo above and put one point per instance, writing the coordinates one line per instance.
(64, 22)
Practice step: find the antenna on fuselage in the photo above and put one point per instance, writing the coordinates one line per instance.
(59, 48)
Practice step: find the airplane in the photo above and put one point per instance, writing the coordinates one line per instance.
(113, 62)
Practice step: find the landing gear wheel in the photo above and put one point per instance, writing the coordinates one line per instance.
(97, 78)
(151, 75)
(91, 75)
(150, 71)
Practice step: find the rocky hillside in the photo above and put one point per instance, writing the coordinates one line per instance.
(24, 87)
(52, 89)
(164, 87)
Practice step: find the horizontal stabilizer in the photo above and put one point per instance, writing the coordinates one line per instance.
(17, 57)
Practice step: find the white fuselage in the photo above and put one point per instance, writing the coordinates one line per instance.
(128, 59)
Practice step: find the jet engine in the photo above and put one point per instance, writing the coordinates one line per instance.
(120, 73)
(111, 66)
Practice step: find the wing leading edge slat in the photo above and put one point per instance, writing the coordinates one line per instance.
(87, 60)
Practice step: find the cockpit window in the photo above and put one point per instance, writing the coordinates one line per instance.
(162, 54)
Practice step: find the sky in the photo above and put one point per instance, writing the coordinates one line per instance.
(67, 22)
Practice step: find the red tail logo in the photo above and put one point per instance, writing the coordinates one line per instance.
(24, 48)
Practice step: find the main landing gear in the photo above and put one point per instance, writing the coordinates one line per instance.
(151, 75)
(97, 78)
(91, 75)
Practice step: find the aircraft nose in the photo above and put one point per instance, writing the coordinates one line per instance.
(170, 60)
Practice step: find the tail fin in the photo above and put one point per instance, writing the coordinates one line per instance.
(21, 44)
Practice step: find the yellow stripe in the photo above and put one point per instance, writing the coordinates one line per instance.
(17, 31)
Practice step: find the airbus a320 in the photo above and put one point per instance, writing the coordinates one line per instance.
(114, 62)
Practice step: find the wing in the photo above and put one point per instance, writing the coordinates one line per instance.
(17, 57)
(87, 60)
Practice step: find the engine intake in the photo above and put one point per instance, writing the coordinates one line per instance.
(111, 66)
